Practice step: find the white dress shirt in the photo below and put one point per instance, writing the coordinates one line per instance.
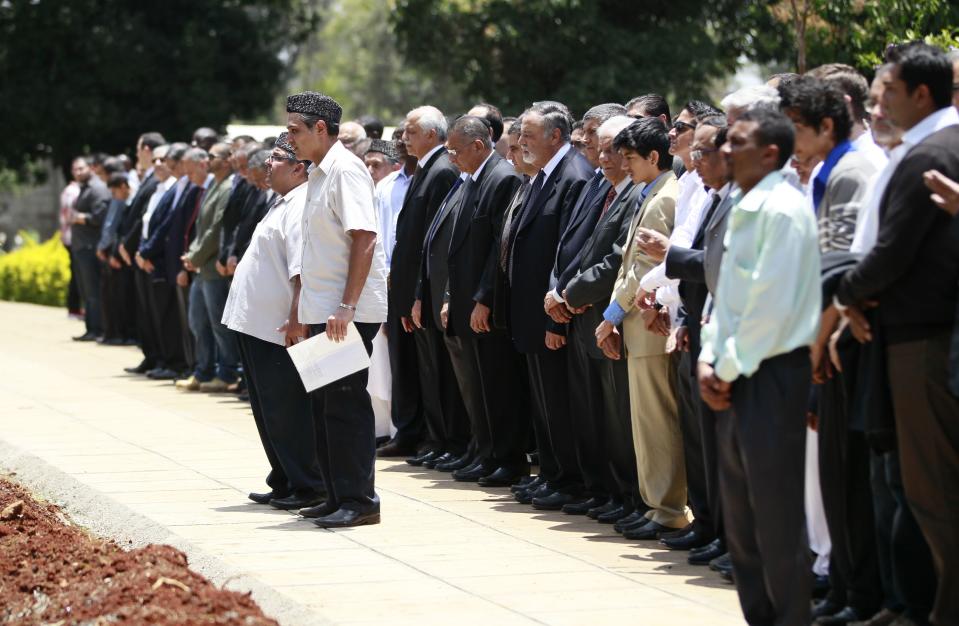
(389, 195)
(161, 190)
(262, 287)
(339, 200)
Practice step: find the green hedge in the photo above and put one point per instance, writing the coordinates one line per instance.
(36, 272)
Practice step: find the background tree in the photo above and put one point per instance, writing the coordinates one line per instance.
(82, 74)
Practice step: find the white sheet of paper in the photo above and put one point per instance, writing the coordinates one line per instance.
(321, 361)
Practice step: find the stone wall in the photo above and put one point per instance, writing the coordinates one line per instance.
(32, 208)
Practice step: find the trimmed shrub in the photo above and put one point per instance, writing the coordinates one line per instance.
(36, 272)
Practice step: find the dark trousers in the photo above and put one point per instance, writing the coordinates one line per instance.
(472, 433)
(166, 324)
(346, 433)
(183, 314)
(111, 304)
(73, 292)
(506, 394)
(146, 330)
(548, 379)
(762, 446)
(407, 401)
(442, 401)
(87, 268)
(708, 421)
(690, 423)
(927, 427)
(905, 564)
(283, 416)
(618, 431)
(586, 414)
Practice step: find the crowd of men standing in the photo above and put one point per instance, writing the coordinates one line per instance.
(732, 330)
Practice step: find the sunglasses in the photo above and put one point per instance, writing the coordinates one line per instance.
(681, 127)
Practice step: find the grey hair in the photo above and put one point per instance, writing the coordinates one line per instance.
(161, 151)
(430, 118)
(555, 116)
(749, 98)
(177, 150)
(258, 159)
(516, 127)
(473, 128)
(612, 126)
(250, 149)
(196, 155)
(604, 112)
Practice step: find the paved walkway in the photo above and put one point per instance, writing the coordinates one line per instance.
(445, 552)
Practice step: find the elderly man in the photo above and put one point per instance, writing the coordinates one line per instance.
(562, 172)
(340, 279)
(381, 159)
(416, 354)
(257, 306)
(351, 136)
(604, 433)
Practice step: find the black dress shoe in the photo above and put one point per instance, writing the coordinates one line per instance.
(472, 473)
(344, 518)
(650, 530)
(692, 539)
(112, 341)
(85, 337)
(142, 368)
(443, 458)
(162, 373)
(394, 448)
(580, 507)
(825, 607)
(455, 464)
(703, 556)
(724, 566)
(616, 515)
(630, 520)
(843, 617)
(264, 498)
(320, 510)
(526, 483)
(297, 501)
(502, 477)
(553, 502)
(526, 496)
(606, 507)
(641, 521)
(419, 459)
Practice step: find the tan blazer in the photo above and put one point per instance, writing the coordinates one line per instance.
(657, 212)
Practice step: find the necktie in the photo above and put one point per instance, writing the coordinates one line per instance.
(709, 215)
(610, 197)
(593, 188)
(196, 212)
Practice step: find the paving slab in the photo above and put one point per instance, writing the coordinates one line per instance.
(140, 461)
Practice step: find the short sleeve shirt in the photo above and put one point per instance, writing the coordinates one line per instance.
(339, 200)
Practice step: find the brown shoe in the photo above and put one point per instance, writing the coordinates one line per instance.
(393, 449)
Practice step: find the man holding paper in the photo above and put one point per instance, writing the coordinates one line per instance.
(342, 280)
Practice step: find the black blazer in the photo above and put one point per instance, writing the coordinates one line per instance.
(431, 286)
(131, 223)
(582, 222)
(475, 248)
(233, 214)
(597, 265)
(915, 252)
(423, 197)
(542, 221)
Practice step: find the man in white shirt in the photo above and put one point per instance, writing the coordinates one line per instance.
(258, 304)
(341, 279)
(391, 189)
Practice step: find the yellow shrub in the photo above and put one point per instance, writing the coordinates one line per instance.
(36, 272)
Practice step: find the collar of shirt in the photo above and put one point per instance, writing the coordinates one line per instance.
(819, 182)
(426, 157)
(479, 170)
(942, 118)
(294, 193)
(753, 200)
(208, 181)
(724, 191)
(335, 152)
(649, 187)
(551, 165)
(401, 173)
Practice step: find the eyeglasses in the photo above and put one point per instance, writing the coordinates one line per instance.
(274, 158)
(697, 155)
(681, 127)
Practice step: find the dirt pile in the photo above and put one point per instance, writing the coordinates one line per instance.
(52, 572)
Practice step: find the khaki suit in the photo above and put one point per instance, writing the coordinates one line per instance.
(652, 377)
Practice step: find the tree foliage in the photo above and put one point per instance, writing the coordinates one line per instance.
(93, 74)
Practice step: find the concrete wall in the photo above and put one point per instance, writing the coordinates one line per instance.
(32, 208)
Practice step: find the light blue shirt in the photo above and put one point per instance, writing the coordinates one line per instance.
(768, 298)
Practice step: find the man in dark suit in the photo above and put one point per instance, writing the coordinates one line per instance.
(605, 432)
(583, 391)
(563, 172)
(91, 208)
(913, 273)
(417, 405)
(489, 370)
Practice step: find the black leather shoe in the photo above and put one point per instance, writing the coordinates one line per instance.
(393, 449)
(825, 607)
(843, 617)
(320, 510)
(721, 562)
(419, 459)
(703, 556)
(264, 498)
(142, 368)
(614, 515)
(344, 518)
(634, 518)
(692, 539)
(606, 507)
(634, 526)
(553, 502)
(472, 473)
(85, 337)
(502, 477)
(650, 530)
(443, 458)
(526, 496)
(456, 464)
(580, 507)
(163, 374)
(526, 483)
(297, 501)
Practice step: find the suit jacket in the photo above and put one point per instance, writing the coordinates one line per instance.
(257, 205)
(233, 214)
(657, 213)
(597, 266)
(179, 232)
(131, 223)
(431, 285)
(152, 248)
(94, 202)
(205, 246)
(582, 221)
(915, 255)
(423, 198)
(475, 247)
(713, 239)
(513, 211)
(542, 221)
